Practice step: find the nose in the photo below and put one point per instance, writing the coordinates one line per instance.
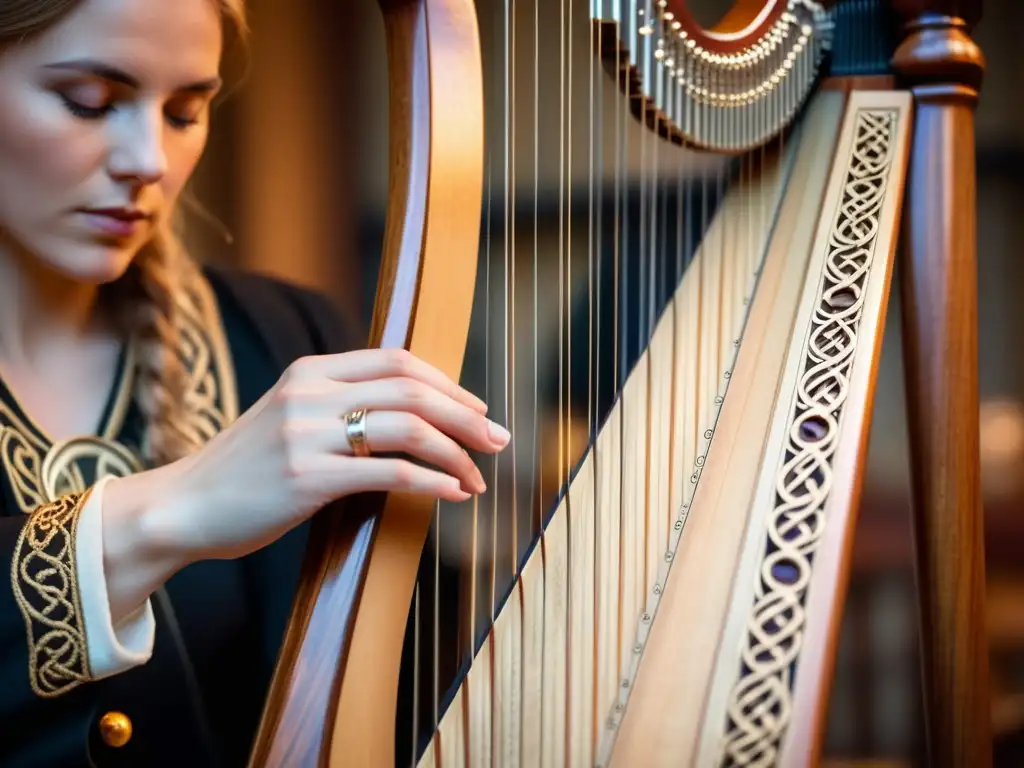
(137, 151)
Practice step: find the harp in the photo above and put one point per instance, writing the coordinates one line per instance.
(660, 245)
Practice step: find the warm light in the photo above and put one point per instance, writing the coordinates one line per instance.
(1002, 447)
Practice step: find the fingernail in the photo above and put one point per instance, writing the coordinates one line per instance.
(457, 491)
(498, 433)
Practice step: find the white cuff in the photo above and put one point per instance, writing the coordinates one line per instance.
(112, 649)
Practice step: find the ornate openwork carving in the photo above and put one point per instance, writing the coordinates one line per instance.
(760, 701)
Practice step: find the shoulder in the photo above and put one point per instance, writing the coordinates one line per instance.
(292, 320)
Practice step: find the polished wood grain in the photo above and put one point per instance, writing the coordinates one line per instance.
(944, 68)
(849, 83)
(301, 700)
(436, 71)
(333, 700)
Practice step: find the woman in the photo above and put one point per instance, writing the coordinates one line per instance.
(165, 431)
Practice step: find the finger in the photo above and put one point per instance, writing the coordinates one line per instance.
(400, 432)
(369, 364)
(467, 426)
(374, 474)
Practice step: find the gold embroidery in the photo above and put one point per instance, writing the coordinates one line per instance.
(41, 471)
(207, 356)
(22, 451)
(66, 463)
(45, 584)
(51, 481)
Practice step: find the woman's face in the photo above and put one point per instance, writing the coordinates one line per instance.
(102, 121)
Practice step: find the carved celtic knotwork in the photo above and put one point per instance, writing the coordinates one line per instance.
(760, 701)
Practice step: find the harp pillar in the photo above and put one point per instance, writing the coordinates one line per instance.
(944, 68)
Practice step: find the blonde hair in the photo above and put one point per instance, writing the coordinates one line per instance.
(155, 297)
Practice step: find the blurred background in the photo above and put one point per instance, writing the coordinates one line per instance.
(297, 173)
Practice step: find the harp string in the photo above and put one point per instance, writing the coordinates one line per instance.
(643, 315)
(593, 304)
(437, 614)
(536, 489)
(567, 201)
(621, 252)
(510, 262)
(536, 467)
(535, 525)
(414, 752)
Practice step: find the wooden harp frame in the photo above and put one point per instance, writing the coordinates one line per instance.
(334, 694)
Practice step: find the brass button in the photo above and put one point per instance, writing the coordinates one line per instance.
(115, 729)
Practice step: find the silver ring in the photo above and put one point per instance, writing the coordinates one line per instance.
(355, 424)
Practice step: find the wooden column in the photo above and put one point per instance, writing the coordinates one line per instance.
(944, 67)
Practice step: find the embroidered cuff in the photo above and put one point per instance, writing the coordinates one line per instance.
(59, 584)
(112, 648)
(45, 585)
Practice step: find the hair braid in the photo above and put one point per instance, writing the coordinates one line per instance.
(158, 306)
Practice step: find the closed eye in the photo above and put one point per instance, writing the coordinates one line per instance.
(177, 118)
(83, 110)
(93, 98)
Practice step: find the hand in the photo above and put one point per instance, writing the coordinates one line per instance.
(289, 455)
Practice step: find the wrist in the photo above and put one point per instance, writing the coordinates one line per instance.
(145, 536)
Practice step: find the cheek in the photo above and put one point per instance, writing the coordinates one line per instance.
(46, 156)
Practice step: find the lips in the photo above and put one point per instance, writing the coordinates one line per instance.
(116, 222)
(120, 213)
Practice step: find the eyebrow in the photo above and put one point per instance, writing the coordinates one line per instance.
(108, 72)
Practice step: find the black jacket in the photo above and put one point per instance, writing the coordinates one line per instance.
(197, 702)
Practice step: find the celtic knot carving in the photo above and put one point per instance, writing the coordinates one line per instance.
(760, 702)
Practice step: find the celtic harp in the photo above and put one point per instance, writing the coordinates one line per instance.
(657, 237)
